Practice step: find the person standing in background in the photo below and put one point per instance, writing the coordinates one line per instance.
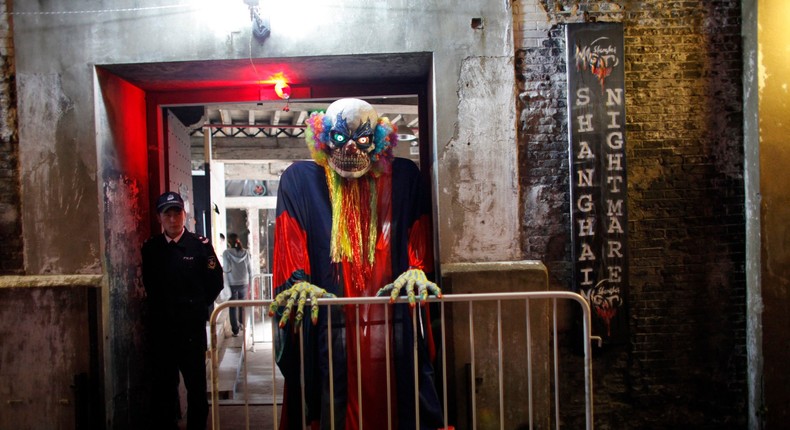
(238, 275)
(182, 277)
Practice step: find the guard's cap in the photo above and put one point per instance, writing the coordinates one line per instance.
(169, 200)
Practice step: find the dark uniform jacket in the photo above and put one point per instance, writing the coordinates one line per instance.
(181, 280)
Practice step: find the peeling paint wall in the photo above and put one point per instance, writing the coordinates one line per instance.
(60, 161)
(86, 169)
(122, 148)
(47, 321)
(58, 180)
(476, 206)
(125, 305)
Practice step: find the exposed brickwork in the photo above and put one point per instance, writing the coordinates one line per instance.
(685, 363)
(11, 258)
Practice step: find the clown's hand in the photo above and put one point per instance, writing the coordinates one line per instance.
(410, 279)
(300, 291)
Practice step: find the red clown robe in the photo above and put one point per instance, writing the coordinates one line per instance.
(302, 253)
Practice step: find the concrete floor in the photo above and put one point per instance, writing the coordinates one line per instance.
(250, 408)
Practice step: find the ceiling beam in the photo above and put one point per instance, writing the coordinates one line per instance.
(253, 148)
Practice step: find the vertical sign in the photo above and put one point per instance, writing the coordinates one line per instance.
(596, 130)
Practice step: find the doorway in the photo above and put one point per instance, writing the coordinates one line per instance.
(136, 100)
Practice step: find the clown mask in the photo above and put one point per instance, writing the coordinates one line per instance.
(350, 139)
(350, 142)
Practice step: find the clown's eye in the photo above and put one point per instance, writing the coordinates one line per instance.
(338, 139)
(363, 140)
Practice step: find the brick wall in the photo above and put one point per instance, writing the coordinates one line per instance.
(684, 365)
(11, 259)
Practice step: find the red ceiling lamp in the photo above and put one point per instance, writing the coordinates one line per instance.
(281, 87)
(283, 90)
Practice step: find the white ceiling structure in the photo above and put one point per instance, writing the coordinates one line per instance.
(245, 136)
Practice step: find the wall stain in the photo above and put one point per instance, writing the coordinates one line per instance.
(57, 180)
(482, 201)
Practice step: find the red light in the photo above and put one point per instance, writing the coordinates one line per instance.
(283, 90)
(281, 86)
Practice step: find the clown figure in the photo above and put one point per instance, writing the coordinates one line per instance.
(354, 223)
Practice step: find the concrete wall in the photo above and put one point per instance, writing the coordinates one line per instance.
(50, 365)
(474, 94)
(84, 162)
(122, 178)
(751, 155)
(518, 326)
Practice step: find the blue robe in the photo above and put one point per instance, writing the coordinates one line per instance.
(302, 252)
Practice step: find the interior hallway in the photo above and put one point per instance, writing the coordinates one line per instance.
(237, 411)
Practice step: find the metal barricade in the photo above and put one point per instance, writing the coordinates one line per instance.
(261, 289)
(464, 305)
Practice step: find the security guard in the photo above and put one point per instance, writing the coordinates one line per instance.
(182, 278)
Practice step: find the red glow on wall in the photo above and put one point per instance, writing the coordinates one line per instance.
(126, 118)
(247, 88)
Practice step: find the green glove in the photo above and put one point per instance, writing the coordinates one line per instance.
(410, 278)
(300, 291)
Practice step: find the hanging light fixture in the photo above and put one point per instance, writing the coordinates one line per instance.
(260, 26)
